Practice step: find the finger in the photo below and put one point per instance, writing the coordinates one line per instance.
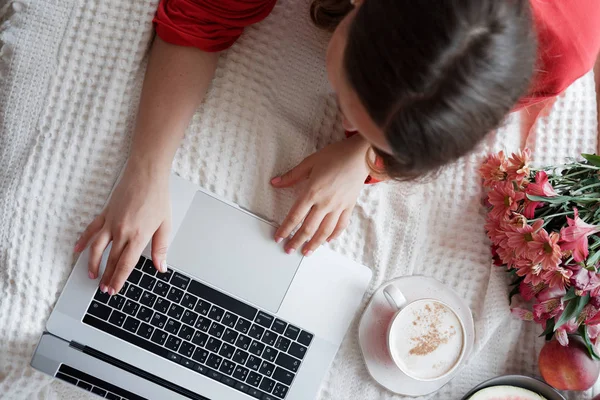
(160, 245)
(113, 258)
(293, 219)
(96, 250)
(342, 224)
(293, 176)
(306, 232)
(89, 233)
(324, 231)
(129, 257)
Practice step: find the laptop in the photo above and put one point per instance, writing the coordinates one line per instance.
(234, 318)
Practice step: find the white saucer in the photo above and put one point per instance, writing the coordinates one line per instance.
(373, 327)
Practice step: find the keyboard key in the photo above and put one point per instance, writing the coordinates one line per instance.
(269, 338)
(145, 314)
(159, 337)
(134, 292)
(66, 378)
(283, 376)
(253, 363)
(240, 356)
(267, 385)
(84, 386)
(230, 336)
(213, 344)
(200, 338)
(280, 391)
(223, 300)
(116, 302)
(291, 363)
(159, 320)
(98, 391)
(124, 288)
(187, 349)
(214, 374)
(270, 354)
(149, 267)
(189, 317)
(229, 319)
(112, 396)
(175, 294)
(131, 324)
(175, 311)
(173, 357)
(216, 313)
(181, 281)
(214, 361)
(147, 282)
(282, 343)
(203, 324)
(267, 369)
(228, 381)
(243, 325)
(173, 343)
(202, 307)
(148, 299)
(227, 350)
(242, 387)
(256, 332)
(243, 342)
(216, 330)
(99, 310)
(257, 394)
(256, 348)
(101, 297)
(162, 305)
(253, 379)
(161, 288)
(165, 276)
(186, 332)
(240, 373)
(305, 338)
(297, 350)
(134, 277)
(145, 331)
(279, 326)
(200, 355)
(201, 369)
(172, 326)
(130, 307)
(140, 262)
(117, 318)
(187, 363)
(264, 319)
(227, 367)
(292, 332)
(189, 301)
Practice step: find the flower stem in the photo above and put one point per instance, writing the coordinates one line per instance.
(586, 187)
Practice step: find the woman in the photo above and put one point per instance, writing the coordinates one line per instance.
(421, 82)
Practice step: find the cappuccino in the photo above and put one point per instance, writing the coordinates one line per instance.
(426, 339)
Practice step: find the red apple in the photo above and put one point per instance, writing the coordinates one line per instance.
(568, 367)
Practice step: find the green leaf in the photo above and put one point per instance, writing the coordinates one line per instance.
(549, 331)
(551, 200)
(588, 343)
(570, 294)
(593, 259)
(592, 159)
(572, 310)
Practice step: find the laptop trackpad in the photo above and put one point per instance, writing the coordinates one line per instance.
(234, 252)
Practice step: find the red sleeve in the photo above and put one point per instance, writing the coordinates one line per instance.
(210, 25)
(568, 43)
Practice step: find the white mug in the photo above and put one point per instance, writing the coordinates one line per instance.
(399, 326)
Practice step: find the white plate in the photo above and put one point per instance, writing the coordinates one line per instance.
(373, 327)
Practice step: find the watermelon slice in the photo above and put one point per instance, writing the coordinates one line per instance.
(506, 393)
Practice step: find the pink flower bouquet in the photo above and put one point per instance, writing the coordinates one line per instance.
(544, 225)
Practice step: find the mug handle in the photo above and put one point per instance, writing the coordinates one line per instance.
(394, 296)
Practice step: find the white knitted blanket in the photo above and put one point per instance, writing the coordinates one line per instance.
(72, 71)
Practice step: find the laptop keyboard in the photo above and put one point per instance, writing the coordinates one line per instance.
(203, 329)
(94, 385)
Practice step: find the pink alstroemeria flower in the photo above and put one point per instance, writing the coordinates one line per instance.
(493, 169)
(547, 309)
(575, 236)
(545, 249)
(555, 292)
(520, 238)
(529, 208)
(584, 280)
(518, 165)
(562, 333)
(529, 291)
(522, 314)
(504, 200)
(541, 186)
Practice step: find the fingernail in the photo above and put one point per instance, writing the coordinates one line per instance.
(308, 253)
(163, 266)
(91, 275)
(278, 239)
(112, 291)
(276, 180)
(103, 288)
(290, 250)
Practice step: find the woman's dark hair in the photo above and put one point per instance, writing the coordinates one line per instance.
(435, 75)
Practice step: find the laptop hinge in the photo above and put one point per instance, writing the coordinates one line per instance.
(77, 346)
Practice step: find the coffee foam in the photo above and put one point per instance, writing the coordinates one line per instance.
(426, 339)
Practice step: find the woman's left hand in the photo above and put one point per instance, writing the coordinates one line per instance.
(335, 175)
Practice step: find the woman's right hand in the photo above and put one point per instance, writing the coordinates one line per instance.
(139, 209)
